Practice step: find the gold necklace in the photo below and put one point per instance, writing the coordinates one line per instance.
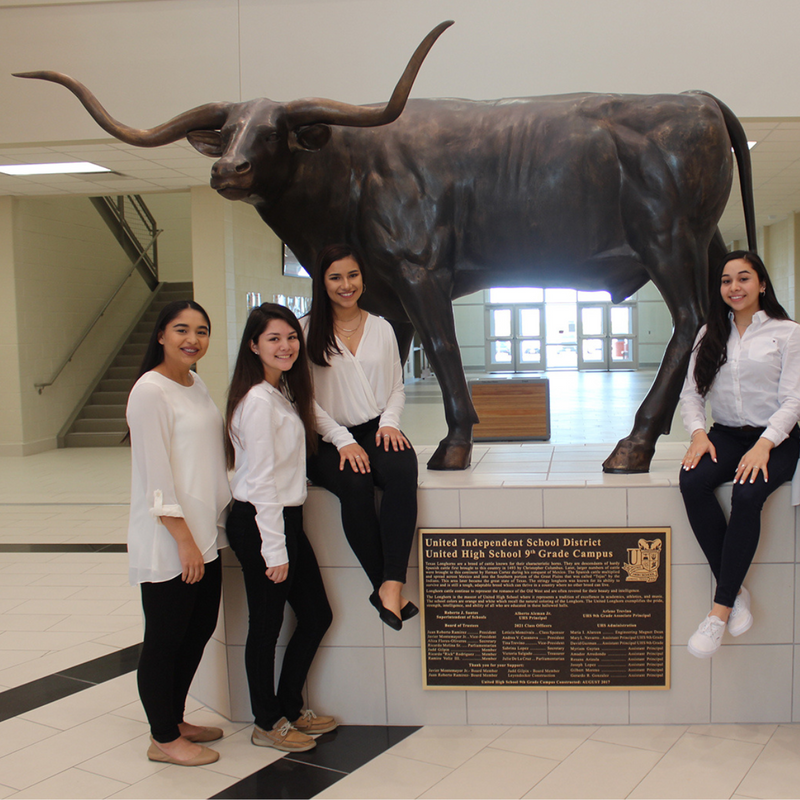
(351, 331)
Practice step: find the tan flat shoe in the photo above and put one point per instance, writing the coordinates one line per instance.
(205, 735)
(205, 756)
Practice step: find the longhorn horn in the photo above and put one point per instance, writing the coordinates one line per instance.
(316, 110)
(209, 116)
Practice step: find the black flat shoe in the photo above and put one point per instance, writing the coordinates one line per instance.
(387, 617)
(408, 611)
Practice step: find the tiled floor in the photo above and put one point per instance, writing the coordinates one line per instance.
(65, 602)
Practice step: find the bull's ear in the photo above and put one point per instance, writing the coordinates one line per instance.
(309, 137)
(209, 143)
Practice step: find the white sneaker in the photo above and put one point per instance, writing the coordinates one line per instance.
(741, 619)
(707, 639)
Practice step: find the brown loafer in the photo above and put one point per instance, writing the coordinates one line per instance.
(205, 756)
(205, 735)
(311, 724)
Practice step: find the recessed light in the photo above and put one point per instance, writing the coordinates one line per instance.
(52, 169)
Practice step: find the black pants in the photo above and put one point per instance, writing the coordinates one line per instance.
(266, 601)
(383, 545)
(179, 619)
(730, 546)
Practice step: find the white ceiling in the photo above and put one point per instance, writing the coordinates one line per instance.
(177, 167)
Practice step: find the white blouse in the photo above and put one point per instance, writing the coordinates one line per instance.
(177, 470)
(357, 388)
(270, 444)
(758, 385)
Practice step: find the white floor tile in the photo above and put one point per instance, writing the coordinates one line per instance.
(73, 783)
(447, 746)
(776, 772)
(52, 662)
(387, 776)
(29, 622)
(42, 640)
(659, 738)
(88, 704)
(597, 770)
(177, 783)
(17, 733)
(238, 757)
(699, 767)
(546, 741)
(757, 734)
(493, 774)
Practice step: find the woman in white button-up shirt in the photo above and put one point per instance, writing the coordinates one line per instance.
(358, 382)
(746, 364)
(270, 425)
(179, 500)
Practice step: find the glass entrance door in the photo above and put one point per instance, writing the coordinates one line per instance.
(606, 336)
(514, 342)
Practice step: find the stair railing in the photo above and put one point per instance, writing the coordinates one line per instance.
(88, 330)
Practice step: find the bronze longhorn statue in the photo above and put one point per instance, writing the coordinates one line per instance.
(590, 191)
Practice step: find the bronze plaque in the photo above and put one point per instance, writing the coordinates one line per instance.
(545, 608)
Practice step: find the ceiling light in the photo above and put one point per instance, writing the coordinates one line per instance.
(52, 169)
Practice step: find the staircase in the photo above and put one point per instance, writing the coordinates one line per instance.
(101, 422)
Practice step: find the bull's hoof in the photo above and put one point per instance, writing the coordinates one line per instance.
(451, 456)
(629, 457)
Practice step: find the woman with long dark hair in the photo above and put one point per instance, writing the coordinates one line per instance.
(179, 500)
(746, 364)
(270, 428)
(358, 384)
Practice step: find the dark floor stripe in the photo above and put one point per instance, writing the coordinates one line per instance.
(33, 547)
(304, 775)
(21, 699)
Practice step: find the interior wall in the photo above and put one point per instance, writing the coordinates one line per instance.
(172, 212)
(66, 266)
(355, 50)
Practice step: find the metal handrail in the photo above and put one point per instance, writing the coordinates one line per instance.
(41, 386)
(137, 203)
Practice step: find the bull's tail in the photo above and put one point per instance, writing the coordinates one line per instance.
(742, 153)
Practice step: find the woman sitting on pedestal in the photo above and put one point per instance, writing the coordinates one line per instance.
(358, 384)
(746, 364)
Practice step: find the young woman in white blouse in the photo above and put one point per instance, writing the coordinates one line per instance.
(179, 500)
(358, 385)
(746, 364)
(270, 426)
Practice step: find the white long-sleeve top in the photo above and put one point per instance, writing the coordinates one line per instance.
(269, 440)
(759, 384)
(177, 470)
(357, 388)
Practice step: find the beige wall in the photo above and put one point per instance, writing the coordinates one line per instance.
(65, 265)
(172, 212)
(233, 253)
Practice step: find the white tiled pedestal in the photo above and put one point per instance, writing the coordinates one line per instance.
(366, 673)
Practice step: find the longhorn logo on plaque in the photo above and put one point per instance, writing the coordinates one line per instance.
(644, 561)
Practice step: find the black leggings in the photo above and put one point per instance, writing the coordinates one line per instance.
(179, 619)
(383, 545)
(730, 546)
(303, 590)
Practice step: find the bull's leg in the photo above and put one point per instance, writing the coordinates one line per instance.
(431, 312)
(681, 277)
(404, 333)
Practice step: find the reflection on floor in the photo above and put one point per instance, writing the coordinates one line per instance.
(72, 725)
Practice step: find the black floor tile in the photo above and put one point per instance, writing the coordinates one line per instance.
(22, 699)
(283, 779)
(38, 547)
(100, 670)
(351, 746)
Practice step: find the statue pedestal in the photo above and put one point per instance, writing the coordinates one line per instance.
(366, 673)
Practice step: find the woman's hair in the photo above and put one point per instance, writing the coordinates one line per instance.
(712, 352)
(320, 338)
(154, 354)
(249, 371)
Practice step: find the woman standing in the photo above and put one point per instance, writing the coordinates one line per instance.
(179, 499)
(358, 383)
(270, 425)
(746, 363)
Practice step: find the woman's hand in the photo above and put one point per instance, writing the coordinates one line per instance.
(698, 447)
(753, 461)
(391, 436)
(192, 561)
(192, 566)
(356, 455)
(278, 574)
